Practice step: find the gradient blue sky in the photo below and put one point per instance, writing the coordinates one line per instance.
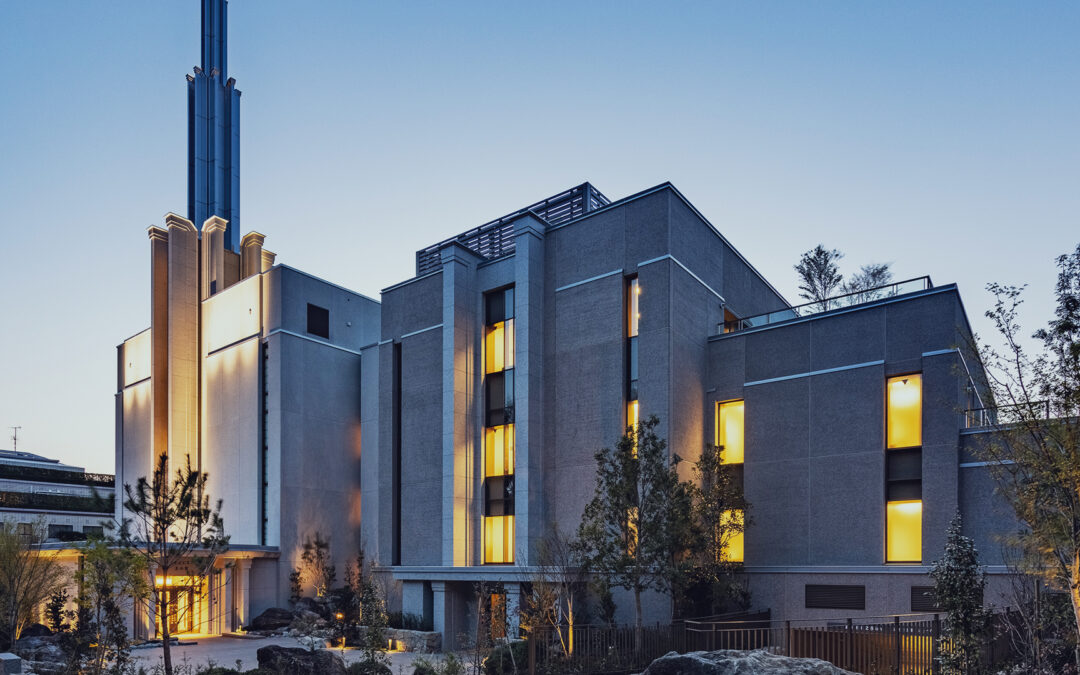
(941, 137)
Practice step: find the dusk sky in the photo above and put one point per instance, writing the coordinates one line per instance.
(941, 137)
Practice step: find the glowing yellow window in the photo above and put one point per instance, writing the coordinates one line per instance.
(903, 528)
(734, 551)
(729, 430)
(499, 539)
(499, 346)
(633, 307)
(904, 411)
(499, 450)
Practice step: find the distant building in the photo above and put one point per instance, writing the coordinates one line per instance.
(72, 503)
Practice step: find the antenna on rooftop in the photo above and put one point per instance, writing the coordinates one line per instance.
(15, 439)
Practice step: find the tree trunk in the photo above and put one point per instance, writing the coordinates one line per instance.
(1074, 596)
(637, 623)
(163, 614)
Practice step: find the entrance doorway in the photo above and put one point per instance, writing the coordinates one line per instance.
(182, 595)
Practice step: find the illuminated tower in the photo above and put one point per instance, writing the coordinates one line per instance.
(214, 130)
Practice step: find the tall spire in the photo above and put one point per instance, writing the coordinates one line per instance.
(214, 30)
(214, 130)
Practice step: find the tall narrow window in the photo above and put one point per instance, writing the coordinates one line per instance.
(633, 313)
(903, 469)
(498, 464)
(728, 418)
(734, 552)
(904, 395)
(729, 430)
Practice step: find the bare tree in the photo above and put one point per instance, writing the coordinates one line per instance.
(555, 586)
(1035, 451)
(174, 529)
(28, 576)
(819, 275)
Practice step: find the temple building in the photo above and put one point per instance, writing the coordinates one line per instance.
(446, 428)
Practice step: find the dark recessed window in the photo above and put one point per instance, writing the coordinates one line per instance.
(318, 321)
(835, 596)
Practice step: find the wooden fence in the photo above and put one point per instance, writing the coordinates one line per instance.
(896, 645)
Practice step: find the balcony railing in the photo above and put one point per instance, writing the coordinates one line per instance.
(43, 475)
(54, 502)
(820, 306)
(1006, 415)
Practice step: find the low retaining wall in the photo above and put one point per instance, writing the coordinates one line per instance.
(418, 641)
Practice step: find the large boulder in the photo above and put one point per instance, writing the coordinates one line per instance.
(734, 662)
(36, 630)
(296, 661)
(274, 618)
(41, 654)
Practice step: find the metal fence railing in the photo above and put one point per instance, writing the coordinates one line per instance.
(896, 645)
(837, 302)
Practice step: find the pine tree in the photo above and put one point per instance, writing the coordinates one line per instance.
(959, 583)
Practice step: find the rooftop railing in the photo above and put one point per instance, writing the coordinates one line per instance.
(829, 304)
(496, 238)
(1005, 415)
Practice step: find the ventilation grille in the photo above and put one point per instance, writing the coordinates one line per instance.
(496, 239)
(923, 600)
(834, 596)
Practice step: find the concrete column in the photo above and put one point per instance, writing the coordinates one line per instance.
(183, 341)
(460, 396)
(412, 597)
(242, 587)
(446, 610)
(251, 254)
(213, 256)
(228, 616)
(159, 342)
(267, 259)
(528, 385)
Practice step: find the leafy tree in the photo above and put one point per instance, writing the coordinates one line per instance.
(1035, 451)
(717, 497)
(110, 579)
(28, 576)
(819, 274)
(173, 528)
(638, 522)
(373, 617)
(959, 583)
(871, 276)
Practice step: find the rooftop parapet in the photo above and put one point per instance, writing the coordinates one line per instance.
(844, 301)
(496, 238)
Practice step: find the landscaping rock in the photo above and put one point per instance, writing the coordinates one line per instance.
(272, 619)
(295, 661)
(733, 662)
(10, 664)
(414, 641)
(36, 630)
(42, 654)
(312, 605)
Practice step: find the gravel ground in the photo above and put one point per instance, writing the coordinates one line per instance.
(225, 651)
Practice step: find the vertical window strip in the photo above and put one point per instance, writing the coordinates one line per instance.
(903, 469)
(498, 461)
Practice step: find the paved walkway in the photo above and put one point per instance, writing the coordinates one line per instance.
(226, 651)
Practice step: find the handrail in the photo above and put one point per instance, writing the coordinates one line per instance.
(892, 290)
(1005, 414)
